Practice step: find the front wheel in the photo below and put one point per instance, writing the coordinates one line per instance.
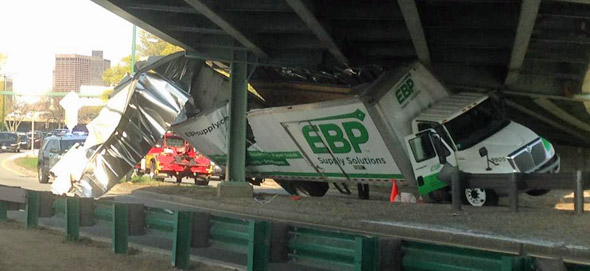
(480, 197)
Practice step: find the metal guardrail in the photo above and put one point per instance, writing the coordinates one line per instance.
(420, 257)
(262, 241)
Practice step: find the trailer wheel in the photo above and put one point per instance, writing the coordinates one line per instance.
(309, 189)
(178, 178)
(480, 197)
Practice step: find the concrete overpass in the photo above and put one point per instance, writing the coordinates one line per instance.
(534, 51)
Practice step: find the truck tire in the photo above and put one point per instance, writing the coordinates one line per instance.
(42, 177)
(202, 181)
(304, 188)
(480, 197)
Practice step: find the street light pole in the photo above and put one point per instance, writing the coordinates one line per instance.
(133, 49)
(3, 105)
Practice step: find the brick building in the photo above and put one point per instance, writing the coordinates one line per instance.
(72, 70)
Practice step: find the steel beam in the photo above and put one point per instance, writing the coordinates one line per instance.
(562, 114)
(191, 29)
(227, 26)
(528, 15)
(236, 158)
(136, 21)
(412, 18)
(312, 22)
(546, 120)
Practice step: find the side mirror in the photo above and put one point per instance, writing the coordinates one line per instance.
(483, 152)
(54, 150)
(440, 149)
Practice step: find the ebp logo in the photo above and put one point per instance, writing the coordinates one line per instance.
(339, 137)
(405, 91)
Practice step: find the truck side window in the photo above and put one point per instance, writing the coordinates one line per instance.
(439, 130)
(422, 148)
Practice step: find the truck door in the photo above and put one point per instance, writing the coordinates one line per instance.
(425, 151)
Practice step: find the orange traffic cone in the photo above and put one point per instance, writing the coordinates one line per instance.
(394, 192)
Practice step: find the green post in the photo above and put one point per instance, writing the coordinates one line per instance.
(3, 211)
(72, 218)
(236, 158)
(32, 208)
(120, 230)
(366, 253)
(133, 49)
(181, 247)
(258, 245)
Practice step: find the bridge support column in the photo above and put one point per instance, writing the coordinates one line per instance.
(235, 184)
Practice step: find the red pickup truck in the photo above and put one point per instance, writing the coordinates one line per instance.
(174, 157)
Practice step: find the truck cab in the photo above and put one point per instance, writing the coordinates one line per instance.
(477, 138)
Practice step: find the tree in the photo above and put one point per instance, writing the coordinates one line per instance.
(149, 45)
(19, 111)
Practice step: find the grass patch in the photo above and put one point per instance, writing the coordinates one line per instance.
(29, 163)
(145, 179)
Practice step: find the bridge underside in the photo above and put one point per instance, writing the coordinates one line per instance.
(536, 52)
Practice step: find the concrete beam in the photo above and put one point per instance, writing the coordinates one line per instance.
(190, 29)
(312, 22)
(546, 120)
(412, 18)
(227, 26)
(526, 23)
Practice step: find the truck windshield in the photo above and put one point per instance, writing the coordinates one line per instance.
(476, 125)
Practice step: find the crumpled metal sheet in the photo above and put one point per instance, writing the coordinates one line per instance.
(134, 119)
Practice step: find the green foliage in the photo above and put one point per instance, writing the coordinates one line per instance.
(149, 45)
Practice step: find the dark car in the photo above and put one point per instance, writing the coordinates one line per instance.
(9, 142)
(25, 141)
(53, 148)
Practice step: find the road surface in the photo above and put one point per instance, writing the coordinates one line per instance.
(13, 175)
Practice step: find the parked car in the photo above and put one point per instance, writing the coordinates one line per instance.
(25, 141)
(9, 142)
(53, 148)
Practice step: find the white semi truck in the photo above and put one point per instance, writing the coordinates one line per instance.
(397, 128)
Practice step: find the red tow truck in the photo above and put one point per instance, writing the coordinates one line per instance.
(174, 157)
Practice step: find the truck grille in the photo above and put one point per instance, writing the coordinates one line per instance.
(529, 157)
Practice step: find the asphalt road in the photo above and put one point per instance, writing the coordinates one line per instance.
(12, 175)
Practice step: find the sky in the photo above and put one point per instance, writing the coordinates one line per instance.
(34, 31)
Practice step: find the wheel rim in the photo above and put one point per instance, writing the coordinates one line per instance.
(476, 196)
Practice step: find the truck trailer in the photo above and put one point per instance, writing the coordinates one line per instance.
(396, 129)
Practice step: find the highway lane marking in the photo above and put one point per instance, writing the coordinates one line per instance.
(10, 169)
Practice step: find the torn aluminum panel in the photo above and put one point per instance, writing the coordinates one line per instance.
(134, 119)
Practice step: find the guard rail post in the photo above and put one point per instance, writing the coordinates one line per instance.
(579, 193)
(120, 228)
(456, 190)
(258, 245)
(513, 192)
(72, 218)
(32, 209)
(366, 253)
(181, 247)
(3, 211)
